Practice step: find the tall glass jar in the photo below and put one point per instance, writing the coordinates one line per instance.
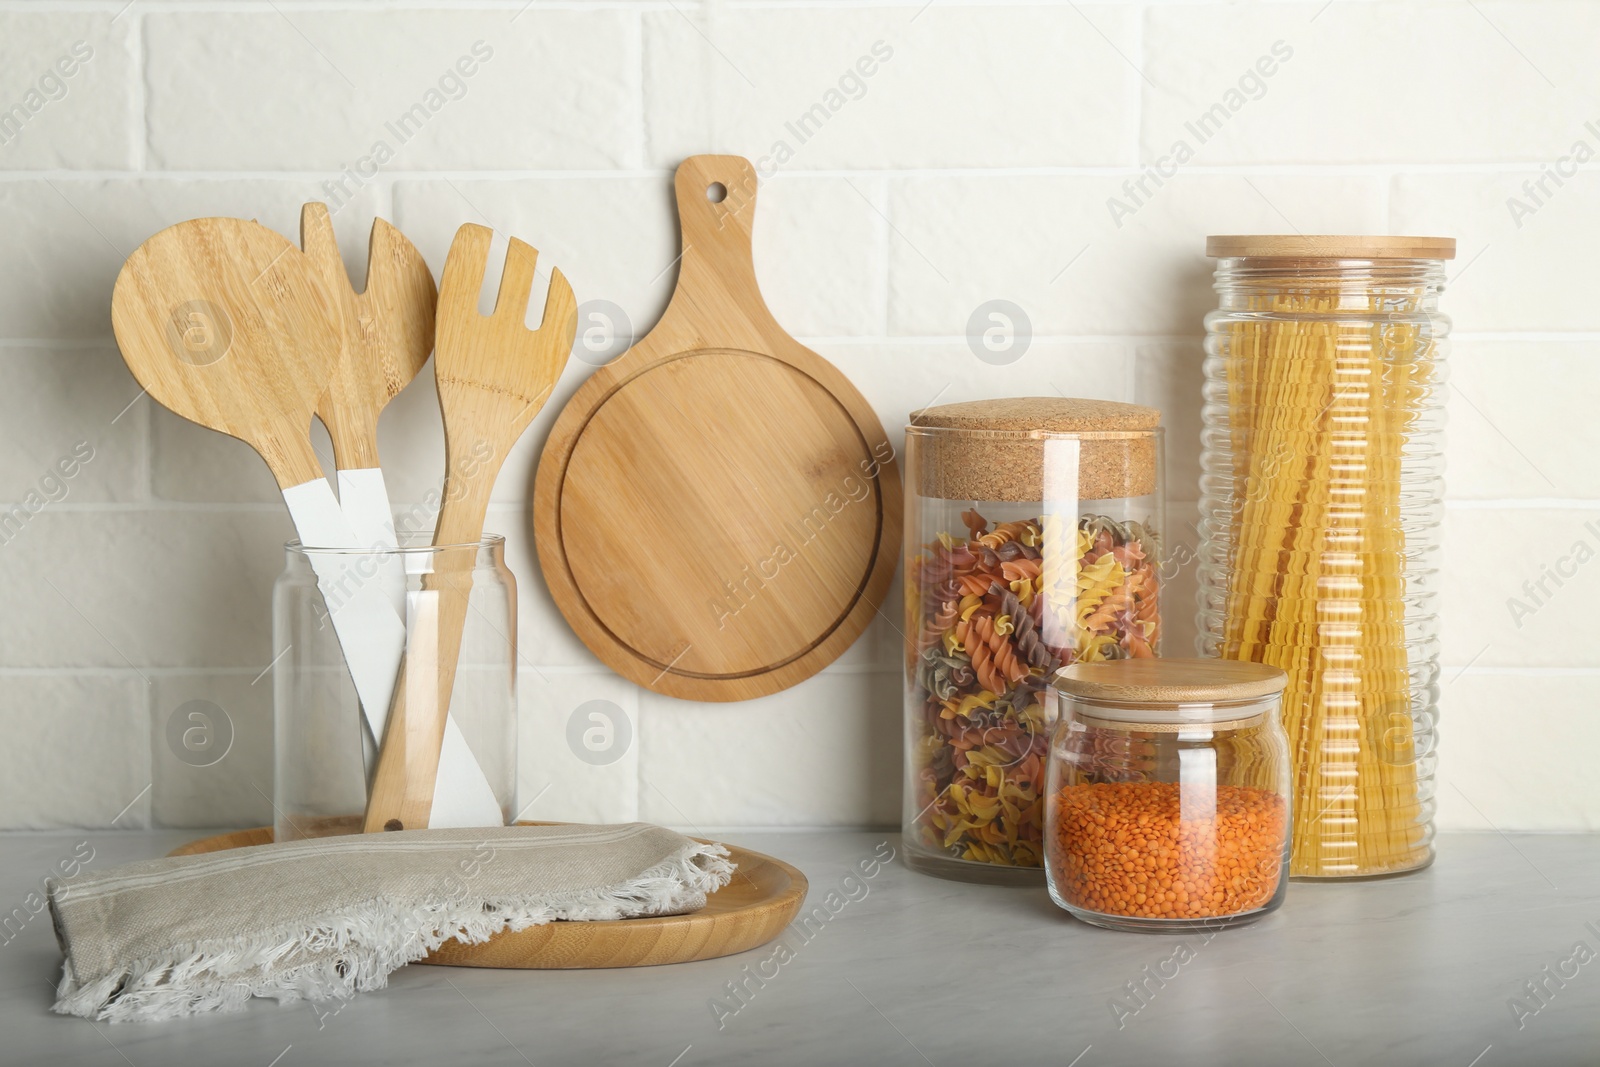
(1168, 794)
(1032, 530)
(1322, 495)
(326, 745)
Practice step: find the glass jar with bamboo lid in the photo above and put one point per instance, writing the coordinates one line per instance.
(1031, 542)
(1321, 503)
(1167, 800)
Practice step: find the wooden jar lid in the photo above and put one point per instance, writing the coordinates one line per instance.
(1155, 682)
(1328, 246)
(717, 511)
(1002, 449)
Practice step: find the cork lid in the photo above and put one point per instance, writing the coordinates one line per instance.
(1329, 246)
(1056, 414)
(1014, 449)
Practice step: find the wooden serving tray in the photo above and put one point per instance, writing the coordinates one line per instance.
(763, 898)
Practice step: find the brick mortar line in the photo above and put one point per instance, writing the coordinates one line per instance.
(242, 507)
(556, 670)
(207, 507)
(1470, 503)
(385, 7)
(108, 343)
(1135, 80)
(639, 41)
(1089, 170)
(389, 6)
(578, 671)
(139, 98)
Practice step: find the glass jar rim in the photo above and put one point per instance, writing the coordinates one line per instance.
(1218, 715)
(488, 540)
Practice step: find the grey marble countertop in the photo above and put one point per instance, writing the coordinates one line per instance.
(1434, 968)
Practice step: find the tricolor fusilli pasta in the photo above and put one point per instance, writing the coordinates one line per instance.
(993, 615)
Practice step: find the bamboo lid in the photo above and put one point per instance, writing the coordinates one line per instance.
(1328, 246)
(1155, 682)
(1008, 450)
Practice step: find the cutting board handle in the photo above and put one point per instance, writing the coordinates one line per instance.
(717, 302)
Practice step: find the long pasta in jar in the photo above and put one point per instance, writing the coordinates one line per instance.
(1321, 502)
(1032, 542)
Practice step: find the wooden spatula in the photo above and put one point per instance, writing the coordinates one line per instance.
(494, 374)
(388, 335)
(227, 324)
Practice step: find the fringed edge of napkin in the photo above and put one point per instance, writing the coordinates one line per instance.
(358, 950)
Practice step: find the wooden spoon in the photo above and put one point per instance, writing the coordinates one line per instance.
(221, 321)
(226, 323)
(494, 374)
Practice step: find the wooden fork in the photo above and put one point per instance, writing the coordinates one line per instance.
(494, 375)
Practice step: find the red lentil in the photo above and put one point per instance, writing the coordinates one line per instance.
(1124, 848)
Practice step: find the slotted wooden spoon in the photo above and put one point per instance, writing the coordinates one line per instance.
(388, 336)
(494, 374)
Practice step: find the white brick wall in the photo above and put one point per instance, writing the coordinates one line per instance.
(969, 155)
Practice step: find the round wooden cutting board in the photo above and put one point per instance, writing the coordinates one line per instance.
(717, 511)
(763, 898)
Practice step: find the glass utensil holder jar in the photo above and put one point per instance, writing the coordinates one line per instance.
(1321, 501)
(1031, 542)
(1168, 794)
(326, 744)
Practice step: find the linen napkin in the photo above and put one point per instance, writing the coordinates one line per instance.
(329, 917)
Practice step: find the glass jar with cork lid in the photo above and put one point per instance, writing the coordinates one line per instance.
(1167, 796)
(1032, 528)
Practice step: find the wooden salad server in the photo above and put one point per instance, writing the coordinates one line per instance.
(387, 331)
(227, 324)
(388, 336)
(493, 374)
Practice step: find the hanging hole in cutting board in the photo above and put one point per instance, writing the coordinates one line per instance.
(716, 192)
(495, 268)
